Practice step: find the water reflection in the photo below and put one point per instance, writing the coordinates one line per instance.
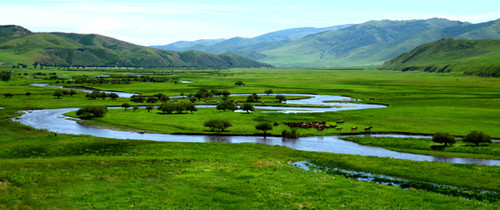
(220, 139)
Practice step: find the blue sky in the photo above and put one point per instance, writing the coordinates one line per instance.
(157, 22)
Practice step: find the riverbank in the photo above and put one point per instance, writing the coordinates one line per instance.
(427, 147)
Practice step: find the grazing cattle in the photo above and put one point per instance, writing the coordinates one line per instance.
(368, 128)
(339, 128)
(276, 124)
(340, 121)
(354, 128)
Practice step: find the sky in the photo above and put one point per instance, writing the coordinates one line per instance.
(156, 22)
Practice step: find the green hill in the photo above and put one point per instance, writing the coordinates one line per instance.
(472, 57)
(373, 42)
(18, 45)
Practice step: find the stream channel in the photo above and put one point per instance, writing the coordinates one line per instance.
(54, 120)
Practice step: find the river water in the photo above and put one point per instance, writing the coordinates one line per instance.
(53, 120)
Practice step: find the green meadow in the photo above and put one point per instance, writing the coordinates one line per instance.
(39, 171)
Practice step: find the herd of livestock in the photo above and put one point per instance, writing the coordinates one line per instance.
(318, 125)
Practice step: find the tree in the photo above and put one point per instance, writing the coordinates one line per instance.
(281, 98)
(113, 96)
(190, 107)
(103, 95)
(5, 76)
(135, 107)
(247, 107)
(152, 100)
(215, 92)
(264, 126)
(178, 107)
(58, 93)
(89, 112)
(93, 95)
(202, 93)
(445, 138)
(164, 98)
(219, 124)
(8, 95)
(137, 99)
(476, 138)
(223, 106)
(149, 107)
(125, 105)
(268, 92)
(27, 93)
(253, 97)
(71, 92)
(167, 108)
(225, 93)
(239, 83)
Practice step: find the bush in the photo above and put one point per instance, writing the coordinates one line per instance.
(290, 134)
(445, 138)
(219, 124)
(476, 138)
(90, 112)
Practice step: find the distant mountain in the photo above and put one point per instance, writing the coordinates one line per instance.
(180, 45)
(472, 57)
(248, 47)
(373, 42)
(19, 45)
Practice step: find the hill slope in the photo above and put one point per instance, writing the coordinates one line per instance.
(248, 47)
(473, 57)
(18, 45)
(373, 42)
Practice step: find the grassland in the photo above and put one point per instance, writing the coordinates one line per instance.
(68, 171)
(472, 57)
(425, 146)
(418, 102)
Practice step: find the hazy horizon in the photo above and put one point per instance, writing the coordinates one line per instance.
(156, 22)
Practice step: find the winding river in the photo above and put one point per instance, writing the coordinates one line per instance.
(53, 120)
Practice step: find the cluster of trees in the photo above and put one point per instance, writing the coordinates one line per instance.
(179, 108)
(217, 124)
(474, 137)
(59, 93)
(114, 79)
(152, 99)
(90, 112)
(204, 93)
(226, 105)
(98, 94)
(9, 95)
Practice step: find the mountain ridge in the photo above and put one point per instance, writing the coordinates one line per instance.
(72, 49)
(367, 44)
(480, 57)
